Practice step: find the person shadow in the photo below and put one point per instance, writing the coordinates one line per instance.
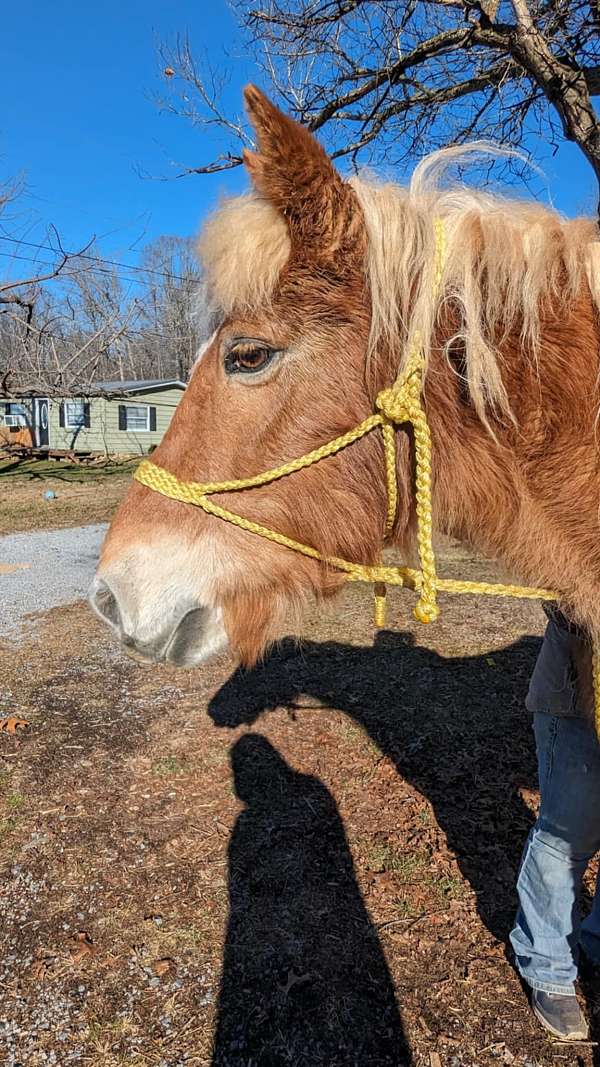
(304, 978)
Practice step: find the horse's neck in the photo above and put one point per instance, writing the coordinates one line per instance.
(530, 495)
(474, 491)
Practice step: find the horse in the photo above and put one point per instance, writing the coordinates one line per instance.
(319, 286)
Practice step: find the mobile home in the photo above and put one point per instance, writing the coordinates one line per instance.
(112, 417)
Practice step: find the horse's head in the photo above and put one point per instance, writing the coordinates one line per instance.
(283, 373)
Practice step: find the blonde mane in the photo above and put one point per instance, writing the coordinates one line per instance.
(508, 263)
(243, 248)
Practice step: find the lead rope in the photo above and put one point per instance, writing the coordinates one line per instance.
(596, 681)
(402, 402)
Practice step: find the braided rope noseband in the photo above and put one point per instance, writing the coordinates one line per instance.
(397, 405)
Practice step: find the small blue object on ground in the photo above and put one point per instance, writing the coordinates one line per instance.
(49, 494)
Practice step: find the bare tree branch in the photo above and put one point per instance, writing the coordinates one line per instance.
(412, 74)
(565, 88)
(81, 321)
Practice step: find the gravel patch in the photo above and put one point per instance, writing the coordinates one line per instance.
(58, 567)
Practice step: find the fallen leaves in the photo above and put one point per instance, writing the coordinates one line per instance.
(12, 723)
(425, 1027)
(156, 919)
(164, 966)
(453, 759)
(39, 967)
(500, 1050)
(54, 965)
(80, 946)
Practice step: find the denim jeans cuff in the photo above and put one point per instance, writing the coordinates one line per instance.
(548, 987)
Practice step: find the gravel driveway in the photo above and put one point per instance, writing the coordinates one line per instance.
(41, 570)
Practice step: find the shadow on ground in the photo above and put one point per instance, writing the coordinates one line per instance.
(457, 730)
(295, 911)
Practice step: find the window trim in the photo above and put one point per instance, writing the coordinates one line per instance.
(80, 423)
(138, 429)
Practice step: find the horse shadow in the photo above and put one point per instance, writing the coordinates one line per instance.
(457, 730)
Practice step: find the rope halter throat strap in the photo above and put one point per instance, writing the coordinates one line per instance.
(400, 404)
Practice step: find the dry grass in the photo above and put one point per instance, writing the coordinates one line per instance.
(81, 495)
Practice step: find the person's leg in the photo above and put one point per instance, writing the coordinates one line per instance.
(589, 939)
(567, 833)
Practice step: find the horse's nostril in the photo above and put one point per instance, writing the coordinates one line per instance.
(105, 603)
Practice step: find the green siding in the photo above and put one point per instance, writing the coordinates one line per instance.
(104, 434)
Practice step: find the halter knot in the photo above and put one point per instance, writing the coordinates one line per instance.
(394, 404)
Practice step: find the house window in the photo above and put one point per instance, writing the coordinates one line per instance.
(13, 414)
(137, 418)
(74, 414)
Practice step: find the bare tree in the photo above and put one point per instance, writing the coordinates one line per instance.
(77, 318)
(384, 79)
(172, 319)
(28, 318)
(21, 292)
(54, 336)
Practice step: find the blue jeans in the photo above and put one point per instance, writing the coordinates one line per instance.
(548, 931)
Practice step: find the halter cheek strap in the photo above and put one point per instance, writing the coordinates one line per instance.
(398, 405)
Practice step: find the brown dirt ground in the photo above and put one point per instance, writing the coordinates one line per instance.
(312, 863)
(23, 507)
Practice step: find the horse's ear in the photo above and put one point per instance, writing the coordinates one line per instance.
(294, 172)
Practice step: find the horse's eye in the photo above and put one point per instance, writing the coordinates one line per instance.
(247, 357)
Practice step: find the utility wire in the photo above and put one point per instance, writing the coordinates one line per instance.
(65, 273)
(93, 259)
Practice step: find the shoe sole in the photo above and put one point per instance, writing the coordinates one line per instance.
(577, 1036)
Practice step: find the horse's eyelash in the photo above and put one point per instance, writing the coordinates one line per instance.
(240, 347)
(248, 346)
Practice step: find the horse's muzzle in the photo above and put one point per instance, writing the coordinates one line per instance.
(185, 635)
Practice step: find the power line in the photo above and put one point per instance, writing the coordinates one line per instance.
(94, 259)
(74, 274)
(128, 332)
(67, 274)
(64, 273)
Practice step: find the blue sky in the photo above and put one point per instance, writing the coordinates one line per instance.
(79, 121)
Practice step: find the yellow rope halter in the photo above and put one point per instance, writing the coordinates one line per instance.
(397, 405)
